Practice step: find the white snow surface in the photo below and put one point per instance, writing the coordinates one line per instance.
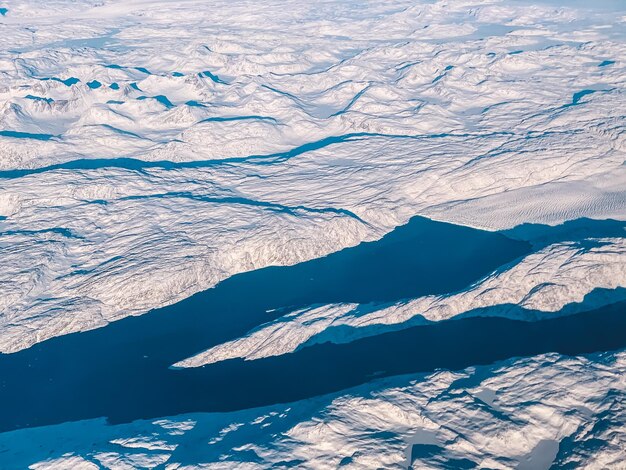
(228, 136)
(513, 414)
(150, 149)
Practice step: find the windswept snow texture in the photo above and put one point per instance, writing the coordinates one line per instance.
(151, 150)
(169, 145)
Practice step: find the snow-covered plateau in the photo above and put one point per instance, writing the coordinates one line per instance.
(151, 150)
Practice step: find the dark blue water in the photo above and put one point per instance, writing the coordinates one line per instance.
(70, 81)
(26, 135)
(140, 165)
(67, 82)
(195, 103)
(576, 97)
(39, 98)
(122, 371)
(579, 230)
(88, 374)
(53, 388)
(213, 77)
(160, 98)
(94, 84)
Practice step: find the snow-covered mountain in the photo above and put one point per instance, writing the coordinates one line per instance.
(214, 183)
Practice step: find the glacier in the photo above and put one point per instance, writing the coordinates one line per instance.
(152, 151)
